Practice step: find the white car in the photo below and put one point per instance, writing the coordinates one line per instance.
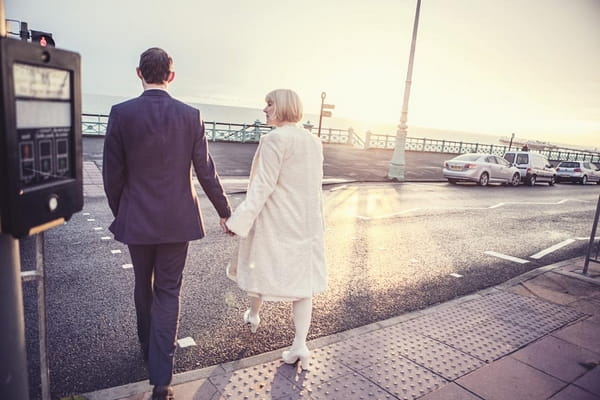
(482, 169)
(577, 171)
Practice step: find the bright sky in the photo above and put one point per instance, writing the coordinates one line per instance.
(489, 66)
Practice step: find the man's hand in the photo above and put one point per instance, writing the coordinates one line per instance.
(225, 228)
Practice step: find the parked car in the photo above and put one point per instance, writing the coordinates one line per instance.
(482, 169)
(533, 167)
(577, 171)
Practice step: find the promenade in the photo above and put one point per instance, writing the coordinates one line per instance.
(533, 337)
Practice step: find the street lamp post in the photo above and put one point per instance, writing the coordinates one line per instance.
(396, 170)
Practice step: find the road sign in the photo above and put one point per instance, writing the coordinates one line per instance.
(330, 106)
(326, 113)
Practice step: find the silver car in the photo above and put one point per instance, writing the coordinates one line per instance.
(482, 169)
(577, 171)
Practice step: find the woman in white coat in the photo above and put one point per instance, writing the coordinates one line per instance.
(280, 223)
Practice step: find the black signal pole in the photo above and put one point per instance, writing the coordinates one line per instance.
(13, 369)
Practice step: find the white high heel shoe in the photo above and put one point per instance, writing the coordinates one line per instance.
(253, 322)
(292, 355)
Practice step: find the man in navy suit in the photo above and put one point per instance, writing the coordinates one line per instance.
(151, 143)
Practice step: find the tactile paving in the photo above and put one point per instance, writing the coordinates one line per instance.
(436, 356)
(539, 315)
(350, 387)
(372, 348)
(473, 342)
(257, 382)
(445, 323)
(403, 378)
(512, 334)
(324, 366)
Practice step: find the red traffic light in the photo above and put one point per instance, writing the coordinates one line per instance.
(42, 38)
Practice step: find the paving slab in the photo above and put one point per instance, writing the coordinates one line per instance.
(557, 357)
(583, 333)
(511, 379)
(572, 392)
(552, 287)
(590, 381)
(197, 390)
(530, 289)
(595, 319)
(590, 305)
(450, 391)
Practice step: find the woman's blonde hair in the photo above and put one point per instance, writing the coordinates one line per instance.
(288, 106)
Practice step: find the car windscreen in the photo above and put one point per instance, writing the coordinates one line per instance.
(569, 164)
(467, 157)
(510, 157)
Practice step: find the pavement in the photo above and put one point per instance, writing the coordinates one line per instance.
(536, 336)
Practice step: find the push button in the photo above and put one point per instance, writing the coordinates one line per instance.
(53, 202)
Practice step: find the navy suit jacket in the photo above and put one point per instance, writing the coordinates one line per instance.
(151, 144)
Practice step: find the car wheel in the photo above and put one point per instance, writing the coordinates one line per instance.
(483, 179)
(452, 181)
(552, 181)
(516, 179)
(584, 180)
(531, 180)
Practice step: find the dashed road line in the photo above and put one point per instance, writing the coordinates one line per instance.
(551, 249)
(117, 251)
(186, 342)
(505, 257)
(497, 205)
(587, 238)
(127, 266)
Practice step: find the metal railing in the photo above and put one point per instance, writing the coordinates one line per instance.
(95, 124)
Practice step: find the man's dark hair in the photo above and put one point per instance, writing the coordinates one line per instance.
(155, 65)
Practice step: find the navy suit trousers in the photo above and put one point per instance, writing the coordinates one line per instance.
(158, 272)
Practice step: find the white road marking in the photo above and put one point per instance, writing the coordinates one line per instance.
(105, 238)
(98, 228)
(127, 266)
(116, 251)
(587, 238)
(186, 342)
(91, 219)
(505, 257)
(455, 275)
(86, 213)
(550, 249)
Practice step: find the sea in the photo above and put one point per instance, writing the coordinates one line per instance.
(101, 104)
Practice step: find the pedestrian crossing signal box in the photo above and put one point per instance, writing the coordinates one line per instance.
(41, 182)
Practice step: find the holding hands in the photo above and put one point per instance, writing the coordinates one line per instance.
(225, 228)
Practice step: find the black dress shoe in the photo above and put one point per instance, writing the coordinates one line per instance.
(163, 393)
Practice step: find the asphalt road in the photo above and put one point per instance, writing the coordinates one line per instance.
(340, 161)
(391, 249)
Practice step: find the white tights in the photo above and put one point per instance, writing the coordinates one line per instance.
(302, 315)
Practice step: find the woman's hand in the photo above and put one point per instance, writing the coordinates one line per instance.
(225, 228)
